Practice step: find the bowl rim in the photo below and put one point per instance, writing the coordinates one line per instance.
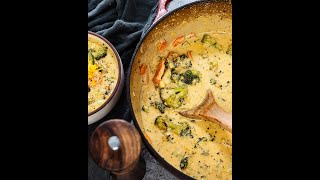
(119, 72)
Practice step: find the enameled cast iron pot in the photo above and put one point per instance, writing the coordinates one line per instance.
(187, 17)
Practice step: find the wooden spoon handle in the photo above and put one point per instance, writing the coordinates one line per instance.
(218, 115)
(209, 110)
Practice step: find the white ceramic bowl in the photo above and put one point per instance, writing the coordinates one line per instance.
(107, 106)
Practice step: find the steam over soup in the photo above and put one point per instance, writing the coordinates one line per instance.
(177, 79)
(103, 72)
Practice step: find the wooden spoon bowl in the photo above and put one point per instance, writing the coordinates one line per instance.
(208, 109)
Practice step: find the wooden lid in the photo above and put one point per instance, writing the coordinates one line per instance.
(115, 145)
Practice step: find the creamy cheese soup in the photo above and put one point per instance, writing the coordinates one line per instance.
(102, 72)
(177, 79)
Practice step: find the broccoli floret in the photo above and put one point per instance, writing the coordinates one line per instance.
(181, 61)
(173, 97)
(164, 123)
(160, 106)
(145, 109)
(185, 129)
(175, 76)
(190, 77)
(160, 122)
(183, 56)
(207, 39)
(213, 65)
(184, 163)
(99, 52)
(90, 57)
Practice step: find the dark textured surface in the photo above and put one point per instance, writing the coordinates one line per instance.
(123, 23)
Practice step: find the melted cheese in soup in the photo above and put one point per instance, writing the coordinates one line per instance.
(192, 64)
(102, 72)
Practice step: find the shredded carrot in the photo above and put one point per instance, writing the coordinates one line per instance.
(178, 41)
(148, 138)
(169, 54)
(189, 54)
(162, 45)
(143, 68)
(159, 72)
(144, 73)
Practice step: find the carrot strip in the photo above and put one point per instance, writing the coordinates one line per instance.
(169, 54)
(144, 73)
(162, 45)
(148, 138)
(159, 72)
(143, 68)
(178, 41)
(189, 54)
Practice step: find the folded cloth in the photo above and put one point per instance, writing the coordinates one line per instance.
(121, 22)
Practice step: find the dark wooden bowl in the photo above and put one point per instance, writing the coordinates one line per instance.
(115, 145)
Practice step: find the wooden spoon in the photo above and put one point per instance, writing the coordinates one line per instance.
(209, 110)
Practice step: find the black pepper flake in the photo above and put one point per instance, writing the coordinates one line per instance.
(218, 153)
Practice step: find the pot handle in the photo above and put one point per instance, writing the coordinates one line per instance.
(162, 9)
